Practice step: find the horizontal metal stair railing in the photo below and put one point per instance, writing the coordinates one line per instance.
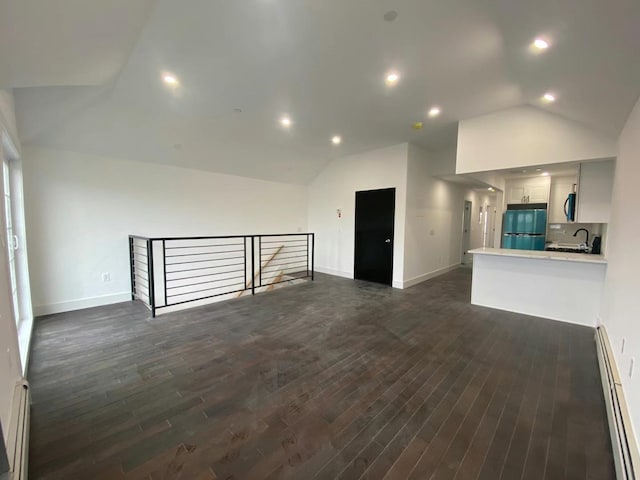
(167, 272)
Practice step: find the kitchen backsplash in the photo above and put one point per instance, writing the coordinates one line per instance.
(565, 233)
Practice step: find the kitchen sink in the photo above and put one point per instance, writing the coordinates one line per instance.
(565, 249)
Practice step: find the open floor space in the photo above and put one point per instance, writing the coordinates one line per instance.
(309, 240)
(330, 379)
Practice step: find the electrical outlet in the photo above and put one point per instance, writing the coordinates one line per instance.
(622, 347)
(106, 277)
(631, 364)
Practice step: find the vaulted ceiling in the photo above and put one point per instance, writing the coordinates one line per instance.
(87, 75)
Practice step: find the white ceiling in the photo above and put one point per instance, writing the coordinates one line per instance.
(322, 62)
(67, 42)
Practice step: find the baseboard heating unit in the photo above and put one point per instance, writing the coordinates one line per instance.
(623, 442)
(18, 433)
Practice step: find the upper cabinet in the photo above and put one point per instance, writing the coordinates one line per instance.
(528, 190)
(561, 187)
(594, 191)
(537, 192)
(515, 193)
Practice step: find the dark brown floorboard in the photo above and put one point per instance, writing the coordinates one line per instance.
(333, 379)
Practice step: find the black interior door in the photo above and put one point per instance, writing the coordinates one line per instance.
(4, 461)
(375, 213)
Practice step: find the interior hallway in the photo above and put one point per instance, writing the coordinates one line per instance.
(334, 378)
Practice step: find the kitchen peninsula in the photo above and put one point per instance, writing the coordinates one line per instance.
(555, 285)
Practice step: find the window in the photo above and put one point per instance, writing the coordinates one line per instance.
(12, 238)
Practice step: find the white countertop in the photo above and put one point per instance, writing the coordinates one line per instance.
(561, 256)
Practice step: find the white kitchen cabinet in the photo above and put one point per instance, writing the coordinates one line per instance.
(537, 193)
(561, 187)
(594, 191)
(515, 194)
(528, 190)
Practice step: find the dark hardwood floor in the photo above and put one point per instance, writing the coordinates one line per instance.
(335, 379)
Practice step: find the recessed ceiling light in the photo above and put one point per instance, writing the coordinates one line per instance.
(336, 139)
(285, 121)
(545, 174)
(391, 79)
(540, 44)
(491, 189)
(434, 112)
(549, 97)
(538, 169)
(170, 79)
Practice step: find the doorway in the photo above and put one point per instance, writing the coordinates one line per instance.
(374, 221)
(466, 233)
(4, 460)
(489, 227)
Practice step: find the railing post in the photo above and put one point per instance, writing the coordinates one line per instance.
(164, 267)
(244, 244)
(313, 251)
(253, 266)
(132, 270)
(260, 259)
(152, 284)
(307, 258)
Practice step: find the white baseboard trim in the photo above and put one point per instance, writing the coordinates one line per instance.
(81, 303)
(335, 273)
(349, 275)
(428, 276)
(396, 283)
(626, 453)
(532, 314)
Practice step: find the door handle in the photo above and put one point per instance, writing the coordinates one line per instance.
(15, 242)
(388, 240)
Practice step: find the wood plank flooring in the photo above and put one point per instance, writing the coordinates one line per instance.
(333, 379)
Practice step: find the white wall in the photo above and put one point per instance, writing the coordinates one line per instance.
(621, 310)
(443, 162)
(524, 136)
(8, 116)
(480, 199)
(80, 209)
(335, 188)
(10, 370)
(433, 236)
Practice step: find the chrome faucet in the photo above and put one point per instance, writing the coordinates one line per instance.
(585, 231)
